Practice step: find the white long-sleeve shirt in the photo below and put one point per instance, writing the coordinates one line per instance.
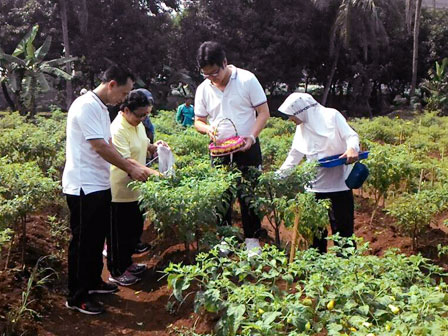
(328, 179)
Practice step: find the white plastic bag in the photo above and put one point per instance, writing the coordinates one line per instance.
(166, 160)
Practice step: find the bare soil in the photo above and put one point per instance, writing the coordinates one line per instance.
(144, 309)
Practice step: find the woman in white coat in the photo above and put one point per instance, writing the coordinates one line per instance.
(323, 132)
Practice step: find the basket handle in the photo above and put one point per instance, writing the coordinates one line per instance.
(217, 125)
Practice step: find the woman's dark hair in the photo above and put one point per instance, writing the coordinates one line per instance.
(118, 73)
(210, 53)
(135, 100)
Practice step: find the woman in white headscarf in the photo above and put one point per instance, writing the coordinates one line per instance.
(323, 132)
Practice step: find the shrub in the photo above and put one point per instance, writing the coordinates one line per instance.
(414, 212)
(188, 204)
(23, 190)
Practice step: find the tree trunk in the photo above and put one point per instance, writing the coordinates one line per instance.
(409, 11)
(277, 236)
(7, 97)
(83, 16)
(331, 76)
(68, 83)
(8, 256)
(33, 98)
(415, 47)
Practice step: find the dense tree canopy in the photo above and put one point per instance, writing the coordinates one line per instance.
(282, 42)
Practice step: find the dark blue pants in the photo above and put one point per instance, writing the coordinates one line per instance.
(126, 229)
(243, 161)
(89, 222)
(341, 215)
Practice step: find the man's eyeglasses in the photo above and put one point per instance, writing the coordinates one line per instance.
(213, 74)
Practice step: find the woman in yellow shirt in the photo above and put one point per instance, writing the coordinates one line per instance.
(130, 139)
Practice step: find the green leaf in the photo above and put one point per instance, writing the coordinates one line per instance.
(270, 317)
(56, 72)
(364, 309)
(29, 37)
(44, 86)
(12, 59)
(59, 61)
(43, 50)
(237, 311)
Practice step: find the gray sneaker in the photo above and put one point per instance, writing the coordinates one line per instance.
(137, 269)
(126, 279)
(253, 247)
(224, 249)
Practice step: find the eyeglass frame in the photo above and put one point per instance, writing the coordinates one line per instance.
(214, 75)
(140, 116)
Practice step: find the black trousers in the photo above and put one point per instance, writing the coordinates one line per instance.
(125, 232)
(89, 222)
(243, 161)
(341, 214)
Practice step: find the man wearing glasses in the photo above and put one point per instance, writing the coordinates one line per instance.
(234, 93)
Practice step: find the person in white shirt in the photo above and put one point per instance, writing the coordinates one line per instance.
(233, 93)
(86, 183)
(323, 132)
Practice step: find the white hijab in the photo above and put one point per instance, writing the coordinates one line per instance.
(316, 135)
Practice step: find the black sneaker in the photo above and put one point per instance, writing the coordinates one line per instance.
(141, 247)
(104, 288)
(137, 269)
(88, 306)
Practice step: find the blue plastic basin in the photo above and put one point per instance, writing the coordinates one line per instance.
(334, 160)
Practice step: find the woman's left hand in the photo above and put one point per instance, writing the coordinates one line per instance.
(351, 155)
(162, 143)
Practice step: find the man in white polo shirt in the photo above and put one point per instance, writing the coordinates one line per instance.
(234, 93)
(86, 183)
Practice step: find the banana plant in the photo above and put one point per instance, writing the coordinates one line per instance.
(25, 71)
(437, 87)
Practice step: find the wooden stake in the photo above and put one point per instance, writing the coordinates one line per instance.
(421, 180)
(294, 237)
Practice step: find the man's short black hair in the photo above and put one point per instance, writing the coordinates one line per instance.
(118, 73)
(210, 53)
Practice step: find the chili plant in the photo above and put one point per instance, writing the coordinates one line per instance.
(389, 166)
(415, 212)
(312, 215)
(23, 189)
(273, 194)
(354, 294)
(188, 204)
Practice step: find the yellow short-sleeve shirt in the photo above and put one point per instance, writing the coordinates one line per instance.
(131, 142)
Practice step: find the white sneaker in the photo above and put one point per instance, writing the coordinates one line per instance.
(105, 251)
(223, 249)
(253, 247)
